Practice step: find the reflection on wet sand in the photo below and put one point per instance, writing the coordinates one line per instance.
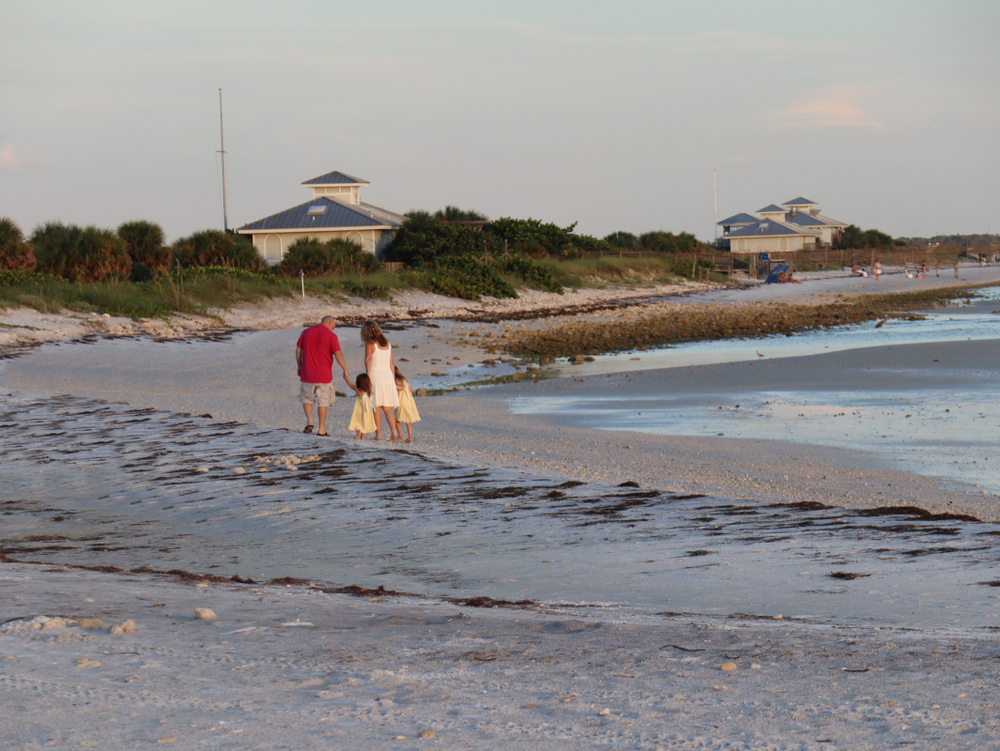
(95, 484)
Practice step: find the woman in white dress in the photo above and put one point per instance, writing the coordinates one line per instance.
(381, 369)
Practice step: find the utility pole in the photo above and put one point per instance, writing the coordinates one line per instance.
(222, 138)
(715, 195)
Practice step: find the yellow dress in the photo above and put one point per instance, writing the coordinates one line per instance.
(363, 417)
(406, 412)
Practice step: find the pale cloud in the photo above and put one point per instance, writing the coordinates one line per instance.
(12, 157)
(831, 107)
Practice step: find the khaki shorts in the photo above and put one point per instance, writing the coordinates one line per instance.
(321, 393)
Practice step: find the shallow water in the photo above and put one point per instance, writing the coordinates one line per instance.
(98, 484)
(909, 420)
(978, 321)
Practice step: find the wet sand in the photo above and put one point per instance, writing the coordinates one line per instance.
(295, 667)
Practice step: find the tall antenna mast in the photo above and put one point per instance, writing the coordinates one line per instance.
(222, 138)
(715, 195)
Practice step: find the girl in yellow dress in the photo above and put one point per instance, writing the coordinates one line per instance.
(363, 417)
(406, 412)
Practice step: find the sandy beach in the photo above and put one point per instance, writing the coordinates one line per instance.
(298, 664)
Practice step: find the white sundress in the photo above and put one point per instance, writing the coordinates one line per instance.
(383, 379)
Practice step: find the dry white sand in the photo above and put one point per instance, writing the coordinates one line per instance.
(294, 668)
(375, 674)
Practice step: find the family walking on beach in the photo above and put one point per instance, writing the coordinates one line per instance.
(381, 391)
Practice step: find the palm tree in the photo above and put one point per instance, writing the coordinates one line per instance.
(455, 214)
(144, 243)
(15, 253)
(83, 255)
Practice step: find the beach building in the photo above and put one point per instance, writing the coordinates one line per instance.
(335, 211)
(795, 225)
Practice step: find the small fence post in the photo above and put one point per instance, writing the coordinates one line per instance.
(302, 273)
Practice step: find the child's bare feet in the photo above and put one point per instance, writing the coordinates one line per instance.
(408, 440)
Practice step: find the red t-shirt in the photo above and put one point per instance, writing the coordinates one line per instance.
(318, 345)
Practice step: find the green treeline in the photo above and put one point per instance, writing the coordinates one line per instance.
(453, 251)
(462, 254)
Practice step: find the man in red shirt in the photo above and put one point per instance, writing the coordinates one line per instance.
(314, 354)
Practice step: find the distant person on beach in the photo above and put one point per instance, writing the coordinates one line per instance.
(363, 417)
(923, 270)
(855, 271)
(406, 413)
(314, 354)
(877, 270)
(380, 366)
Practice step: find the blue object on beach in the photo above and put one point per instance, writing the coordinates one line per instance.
(776, 273)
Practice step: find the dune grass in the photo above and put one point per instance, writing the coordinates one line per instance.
(199, 290)
(601, 272)
(192, 291)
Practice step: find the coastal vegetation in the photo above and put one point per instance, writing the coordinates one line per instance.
(456, 252)
(15, 253)
(855, 237)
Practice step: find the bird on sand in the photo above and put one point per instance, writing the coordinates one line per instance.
(881, 323)
(759, 354)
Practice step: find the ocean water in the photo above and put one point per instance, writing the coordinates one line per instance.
(909, 418)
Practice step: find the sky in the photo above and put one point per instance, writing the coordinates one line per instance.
(617, 116)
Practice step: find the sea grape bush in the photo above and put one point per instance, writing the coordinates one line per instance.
(336, 256)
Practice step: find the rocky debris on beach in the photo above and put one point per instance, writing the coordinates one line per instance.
(673, 323)
(126, 627)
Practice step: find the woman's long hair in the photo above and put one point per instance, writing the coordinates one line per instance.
(370, 332)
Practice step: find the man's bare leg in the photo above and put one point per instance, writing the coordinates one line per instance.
(307, 407)
(322, 421)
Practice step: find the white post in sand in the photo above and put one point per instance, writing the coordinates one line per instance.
(303, 273)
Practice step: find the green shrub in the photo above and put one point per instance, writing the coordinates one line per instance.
(79, 254)
(214, 247)
(335, 256)
(15, 253)
(144, 243)
(21, 277)
(622, 240)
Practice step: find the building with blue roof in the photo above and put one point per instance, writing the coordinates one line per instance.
(779, 228)
(335, 211)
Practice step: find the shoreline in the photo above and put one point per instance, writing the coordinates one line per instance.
(22, 329)
(287, 665)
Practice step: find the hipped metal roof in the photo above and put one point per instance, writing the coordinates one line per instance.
(336, 178)
(742, 218)
(772, 228)
(336, 215)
